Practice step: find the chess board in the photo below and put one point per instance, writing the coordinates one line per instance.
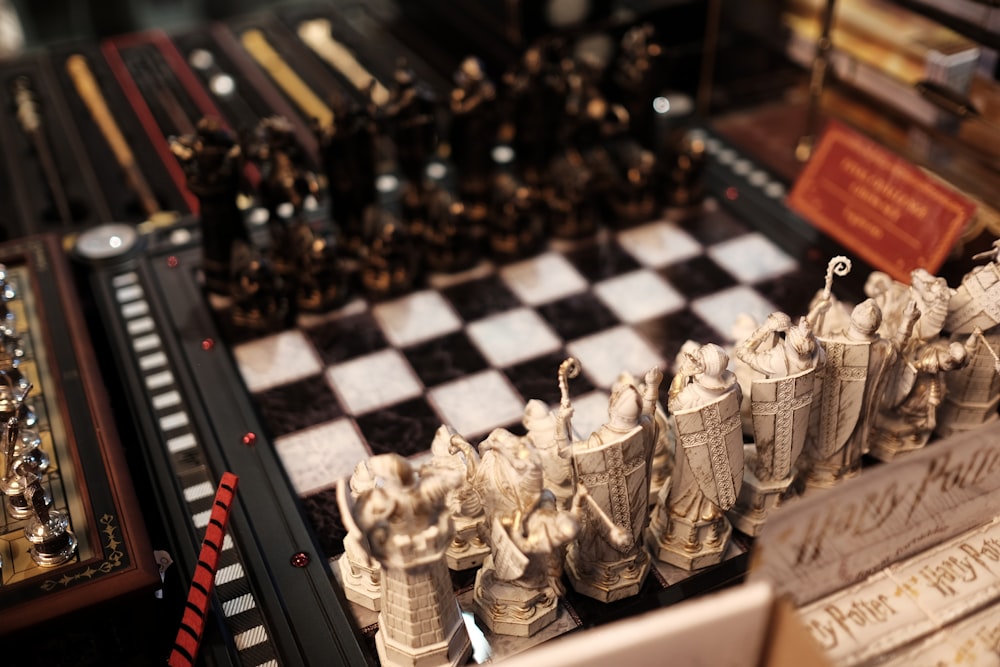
(85, 476)
(293, 411)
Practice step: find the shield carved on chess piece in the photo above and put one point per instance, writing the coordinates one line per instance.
(833, 449)
(712, 438)
(616, 477)
(780, 411)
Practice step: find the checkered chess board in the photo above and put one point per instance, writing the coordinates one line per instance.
(469, 350)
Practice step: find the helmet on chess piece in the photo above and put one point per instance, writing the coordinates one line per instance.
(865, 320)
(624, 408)
(715, 360)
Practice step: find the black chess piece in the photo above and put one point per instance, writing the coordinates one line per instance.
(685, 170)
(574, 203)
(410, 117)
(636, 79)
(212, 162)
(474, 128)
(260, 298)
(390, 266)
(633, 195)
(348, 146)
(534, 103)
(322, 282)
(454, 233)
(285, 187)
(517, 226)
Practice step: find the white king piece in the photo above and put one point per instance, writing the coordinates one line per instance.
(607, 561)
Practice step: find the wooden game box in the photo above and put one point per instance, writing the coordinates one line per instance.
(87, 477)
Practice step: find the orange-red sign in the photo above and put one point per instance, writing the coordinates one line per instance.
(878, 205)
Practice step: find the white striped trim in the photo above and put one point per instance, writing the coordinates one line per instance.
(135, 309)
(146, 343)
(181, 442)
(238, 605)
(159, 380)
(251, 637)
(167, 400)
(228, 573)
(129, 293)
(200, 519)
(227, 542)
(140, 326)
(202, 490)
(124, 279)
(151, 361)
(269, 663)
(172, 421)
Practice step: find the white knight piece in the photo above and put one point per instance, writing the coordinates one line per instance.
(689, 528)
(607, 560)
(403, 516)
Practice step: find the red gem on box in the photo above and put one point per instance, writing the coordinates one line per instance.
(249, 438)
(207, 344)
(732, 194)
(172, 261)
(300, 559)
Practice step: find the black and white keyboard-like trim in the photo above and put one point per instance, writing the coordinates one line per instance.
(233, 591)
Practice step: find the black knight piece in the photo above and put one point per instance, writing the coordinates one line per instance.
(411, 122)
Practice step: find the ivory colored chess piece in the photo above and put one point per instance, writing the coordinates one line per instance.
(518, 588)
(361, 575)
(403, 515)
(607, 560)
(848, 384)
(973, 393)
(908, 413)
(467, 548)
(784, 356)
(689, 528)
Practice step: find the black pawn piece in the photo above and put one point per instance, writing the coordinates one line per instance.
(260, 300)
(574, 204)
(454, 233)
(632, 196)
(685, 172)
(390, 266)
(322, 281)
(518, 221)
(212, 161)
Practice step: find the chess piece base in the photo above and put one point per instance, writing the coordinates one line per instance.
(689, 546)
(757, 499)
(453, 652)
(888, 443)
(608, 582)
(362, 585)
(466, 550)
(511, 612)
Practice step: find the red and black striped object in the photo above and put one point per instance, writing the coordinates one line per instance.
(196, 608)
